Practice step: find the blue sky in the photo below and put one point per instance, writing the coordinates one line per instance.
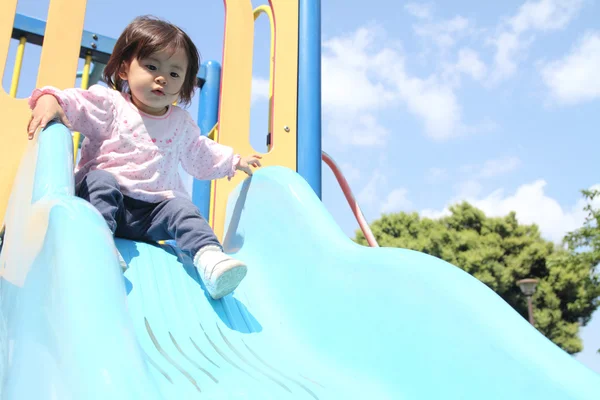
(429, 103)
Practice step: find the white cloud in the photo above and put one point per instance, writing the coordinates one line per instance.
(516, 34)
(362, 77)
(507, 45)
(365, 74)
(396, 201)
(444, 33)
(545, 15)
(351, 94)
(435, 175)
(260, 89)
(531, 205)
(485, 126)
(368, 195)
(576, 78)
(469, 63)
(492, 168)
(468, 189)
(347, 80)
(431, 99)
(474, 174)
(357, 130)
(419, 10)
(434, 102)
(434, 214)
(472, 188)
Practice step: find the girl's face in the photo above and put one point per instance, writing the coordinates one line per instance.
(155, 81)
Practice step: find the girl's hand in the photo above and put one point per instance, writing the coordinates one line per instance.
(246, 162)
(46, 109)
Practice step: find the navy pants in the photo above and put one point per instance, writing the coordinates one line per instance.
(129, 218)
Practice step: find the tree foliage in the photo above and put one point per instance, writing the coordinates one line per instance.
(585, 241)
(499, 252)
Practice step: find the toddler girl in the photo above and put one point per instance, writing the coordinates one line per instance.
(135, 138)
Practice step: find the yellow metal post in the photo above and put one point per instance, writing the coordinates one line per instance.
(57, 67)
(14, 84)
(85, 81)
(234, 106)
(264, 9)
(214, 133)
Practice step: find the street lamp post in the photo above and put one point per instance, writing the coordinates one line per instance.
(528, 288)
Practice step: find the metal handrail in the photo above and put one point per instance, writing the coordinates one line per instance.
(360, 218)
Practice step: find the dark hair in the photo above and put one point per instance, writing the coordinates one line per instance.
(145, 36)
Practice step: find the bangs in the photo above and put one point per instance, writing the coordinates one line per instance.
(168, 42)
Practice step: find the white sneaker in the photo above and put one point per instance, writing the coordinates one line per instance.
(122, 262)
(220, 273)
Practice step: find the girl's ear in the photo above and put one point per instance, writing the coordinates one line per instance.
(123, 69)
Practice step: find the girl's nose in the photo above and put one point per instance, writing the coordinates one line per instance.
(160, 80)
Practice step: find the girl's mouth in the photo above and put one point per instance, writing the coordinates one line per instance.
(158, 92)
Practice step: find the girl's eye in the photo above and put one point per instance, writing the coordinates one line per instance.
(174, 74)
(151, 67)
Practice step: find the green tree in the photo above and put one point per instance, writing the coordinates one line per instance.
(498, 252)
(584, 243)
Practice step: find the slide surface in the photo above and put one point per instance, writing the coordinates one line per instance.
(317, 317)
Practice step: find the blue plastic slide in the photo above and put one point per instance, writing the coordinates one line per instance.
(317, 317)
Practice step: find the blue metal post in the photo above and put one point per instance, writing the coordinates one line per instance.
(208, 114)
(309, 93)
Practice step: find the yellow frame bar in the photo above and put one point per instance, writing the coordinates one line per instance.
(234, 108)
(14, 84)
(85, 81)
(57, 67)
(264, 9)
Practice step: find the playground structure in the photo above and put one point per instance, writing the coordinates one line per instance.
(318, 316)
